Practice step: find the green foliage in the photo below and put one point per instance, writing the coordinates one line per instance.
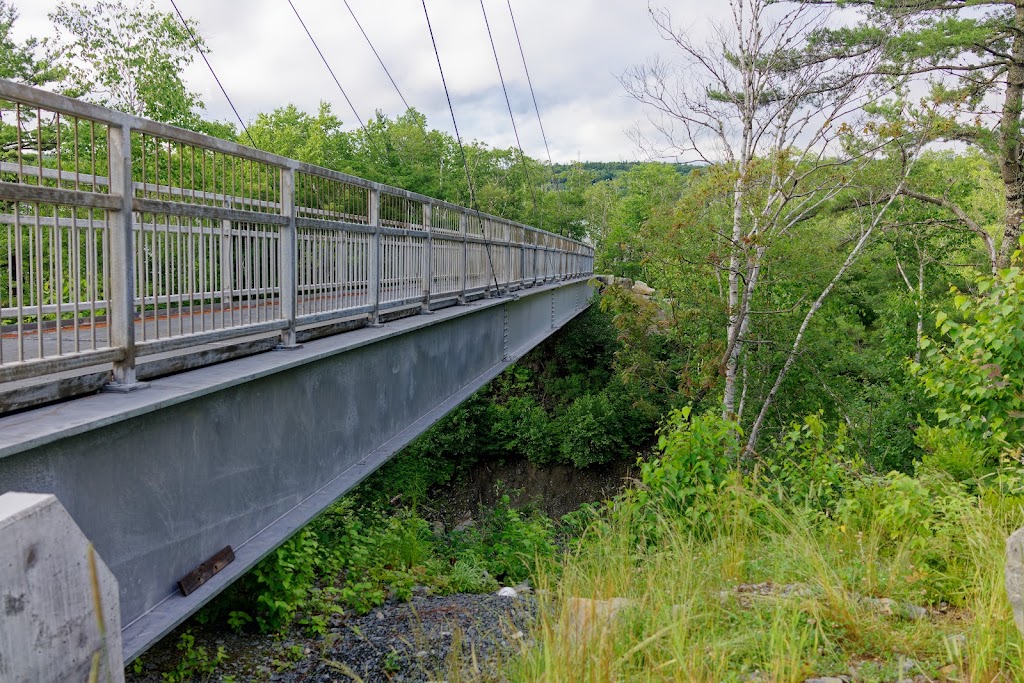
(509, 544)
(692, 465)
(809, 468)
(22, 62)
(316, 139)
(131, 58)
(195, 663)
(977, 376)
(952, 452)
(284, 581)
(354, 558)
(237, 620)
(610, 170)
(902, 568)
(469, 575)
(601, 428)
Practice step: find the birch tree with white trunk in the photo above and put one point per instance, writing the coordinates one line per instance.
(757, 99)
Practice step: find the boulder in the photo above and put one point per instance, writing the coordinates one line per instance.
(1015, 575)
(642, 288)
(587, 615)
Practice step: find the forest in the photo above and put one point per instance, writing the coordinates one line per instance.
(822, 404)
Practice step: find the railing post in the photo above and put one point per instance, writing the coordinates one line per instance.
(122, 266)
(227, 260)
(491, 275)
(464, 229)
(427, 267)
(375, 255)
(508, 258)
(522, 260)
(289, 282)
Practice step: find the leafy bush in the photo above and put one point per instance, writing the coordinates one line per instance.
(284, 580)
(977, 377)
(809, 468)
(510, 544)
(953, 452)
(520, 427)
(195, 661)
(692, 466)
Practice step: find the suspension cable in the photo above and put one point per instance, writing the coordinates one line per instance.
(508, 103)
(377, 55)
(458, 138)
(195, 42)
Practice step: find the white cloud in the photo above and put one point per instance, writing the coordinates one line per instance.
(574, 49)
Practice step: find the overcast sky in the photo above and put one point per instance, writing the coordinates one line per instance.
(574, 48)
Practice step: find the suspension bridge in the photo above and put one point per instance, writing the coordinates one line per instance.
(242, 337)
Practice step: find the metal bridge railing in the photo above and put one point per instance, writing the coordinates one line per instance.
(124, 237)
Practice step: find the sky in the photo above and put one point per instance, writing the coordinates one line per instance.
(575, 50)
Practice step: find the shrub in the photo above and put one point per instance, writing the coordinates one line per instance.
(977, 376)
(693, 464)
(809, 468)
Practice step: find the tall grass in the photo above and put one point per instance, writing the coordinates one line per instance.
(769, 592)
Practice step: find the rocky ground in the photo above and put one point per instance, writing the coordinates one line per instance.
(415, 641)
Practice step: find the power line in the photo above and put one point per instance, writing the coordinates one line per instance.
(377, 55)
(458, 137)
(508, 103)
(529, 82)
(195, 42)
(324, 59)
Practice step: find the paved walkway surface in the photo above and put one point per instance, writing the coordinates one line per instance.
(90, 334)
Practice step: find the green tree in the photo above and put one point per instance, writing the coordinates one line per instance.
(975, 371)
(22, 62)
(970, 56)
(131, 58)
(316, 139)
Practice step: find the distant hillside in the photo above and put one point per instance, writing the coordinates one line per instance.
(607, 170)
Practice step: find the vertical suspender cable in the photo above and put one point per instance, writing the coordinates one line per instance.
(508, 103)
(458, 137)
(195, 42)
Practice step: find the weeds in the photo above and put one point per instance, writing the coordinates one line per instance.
(196, 662)
(782, 573)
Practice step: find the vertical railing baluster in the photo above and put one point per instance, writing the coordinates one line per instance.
(288, 281)
(122, 267)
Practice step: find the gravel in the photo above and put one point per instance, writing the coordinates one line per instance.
(415, 641)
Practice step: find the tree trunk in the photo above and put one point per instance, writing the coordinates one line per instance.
(920, 304)
(1010, 142)
(733, 340)
(851, 258)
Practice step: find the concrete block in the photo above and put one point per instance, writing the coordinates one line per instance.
(59, 613)
(1015, 575)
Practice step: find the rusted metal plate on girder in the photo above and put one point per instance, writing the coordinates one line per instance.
(206, 571)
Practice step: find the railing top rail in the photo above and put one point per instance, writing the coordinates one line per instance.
(16, 92)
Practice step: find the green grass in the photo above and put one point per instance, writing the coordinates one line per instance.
(688, 619)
